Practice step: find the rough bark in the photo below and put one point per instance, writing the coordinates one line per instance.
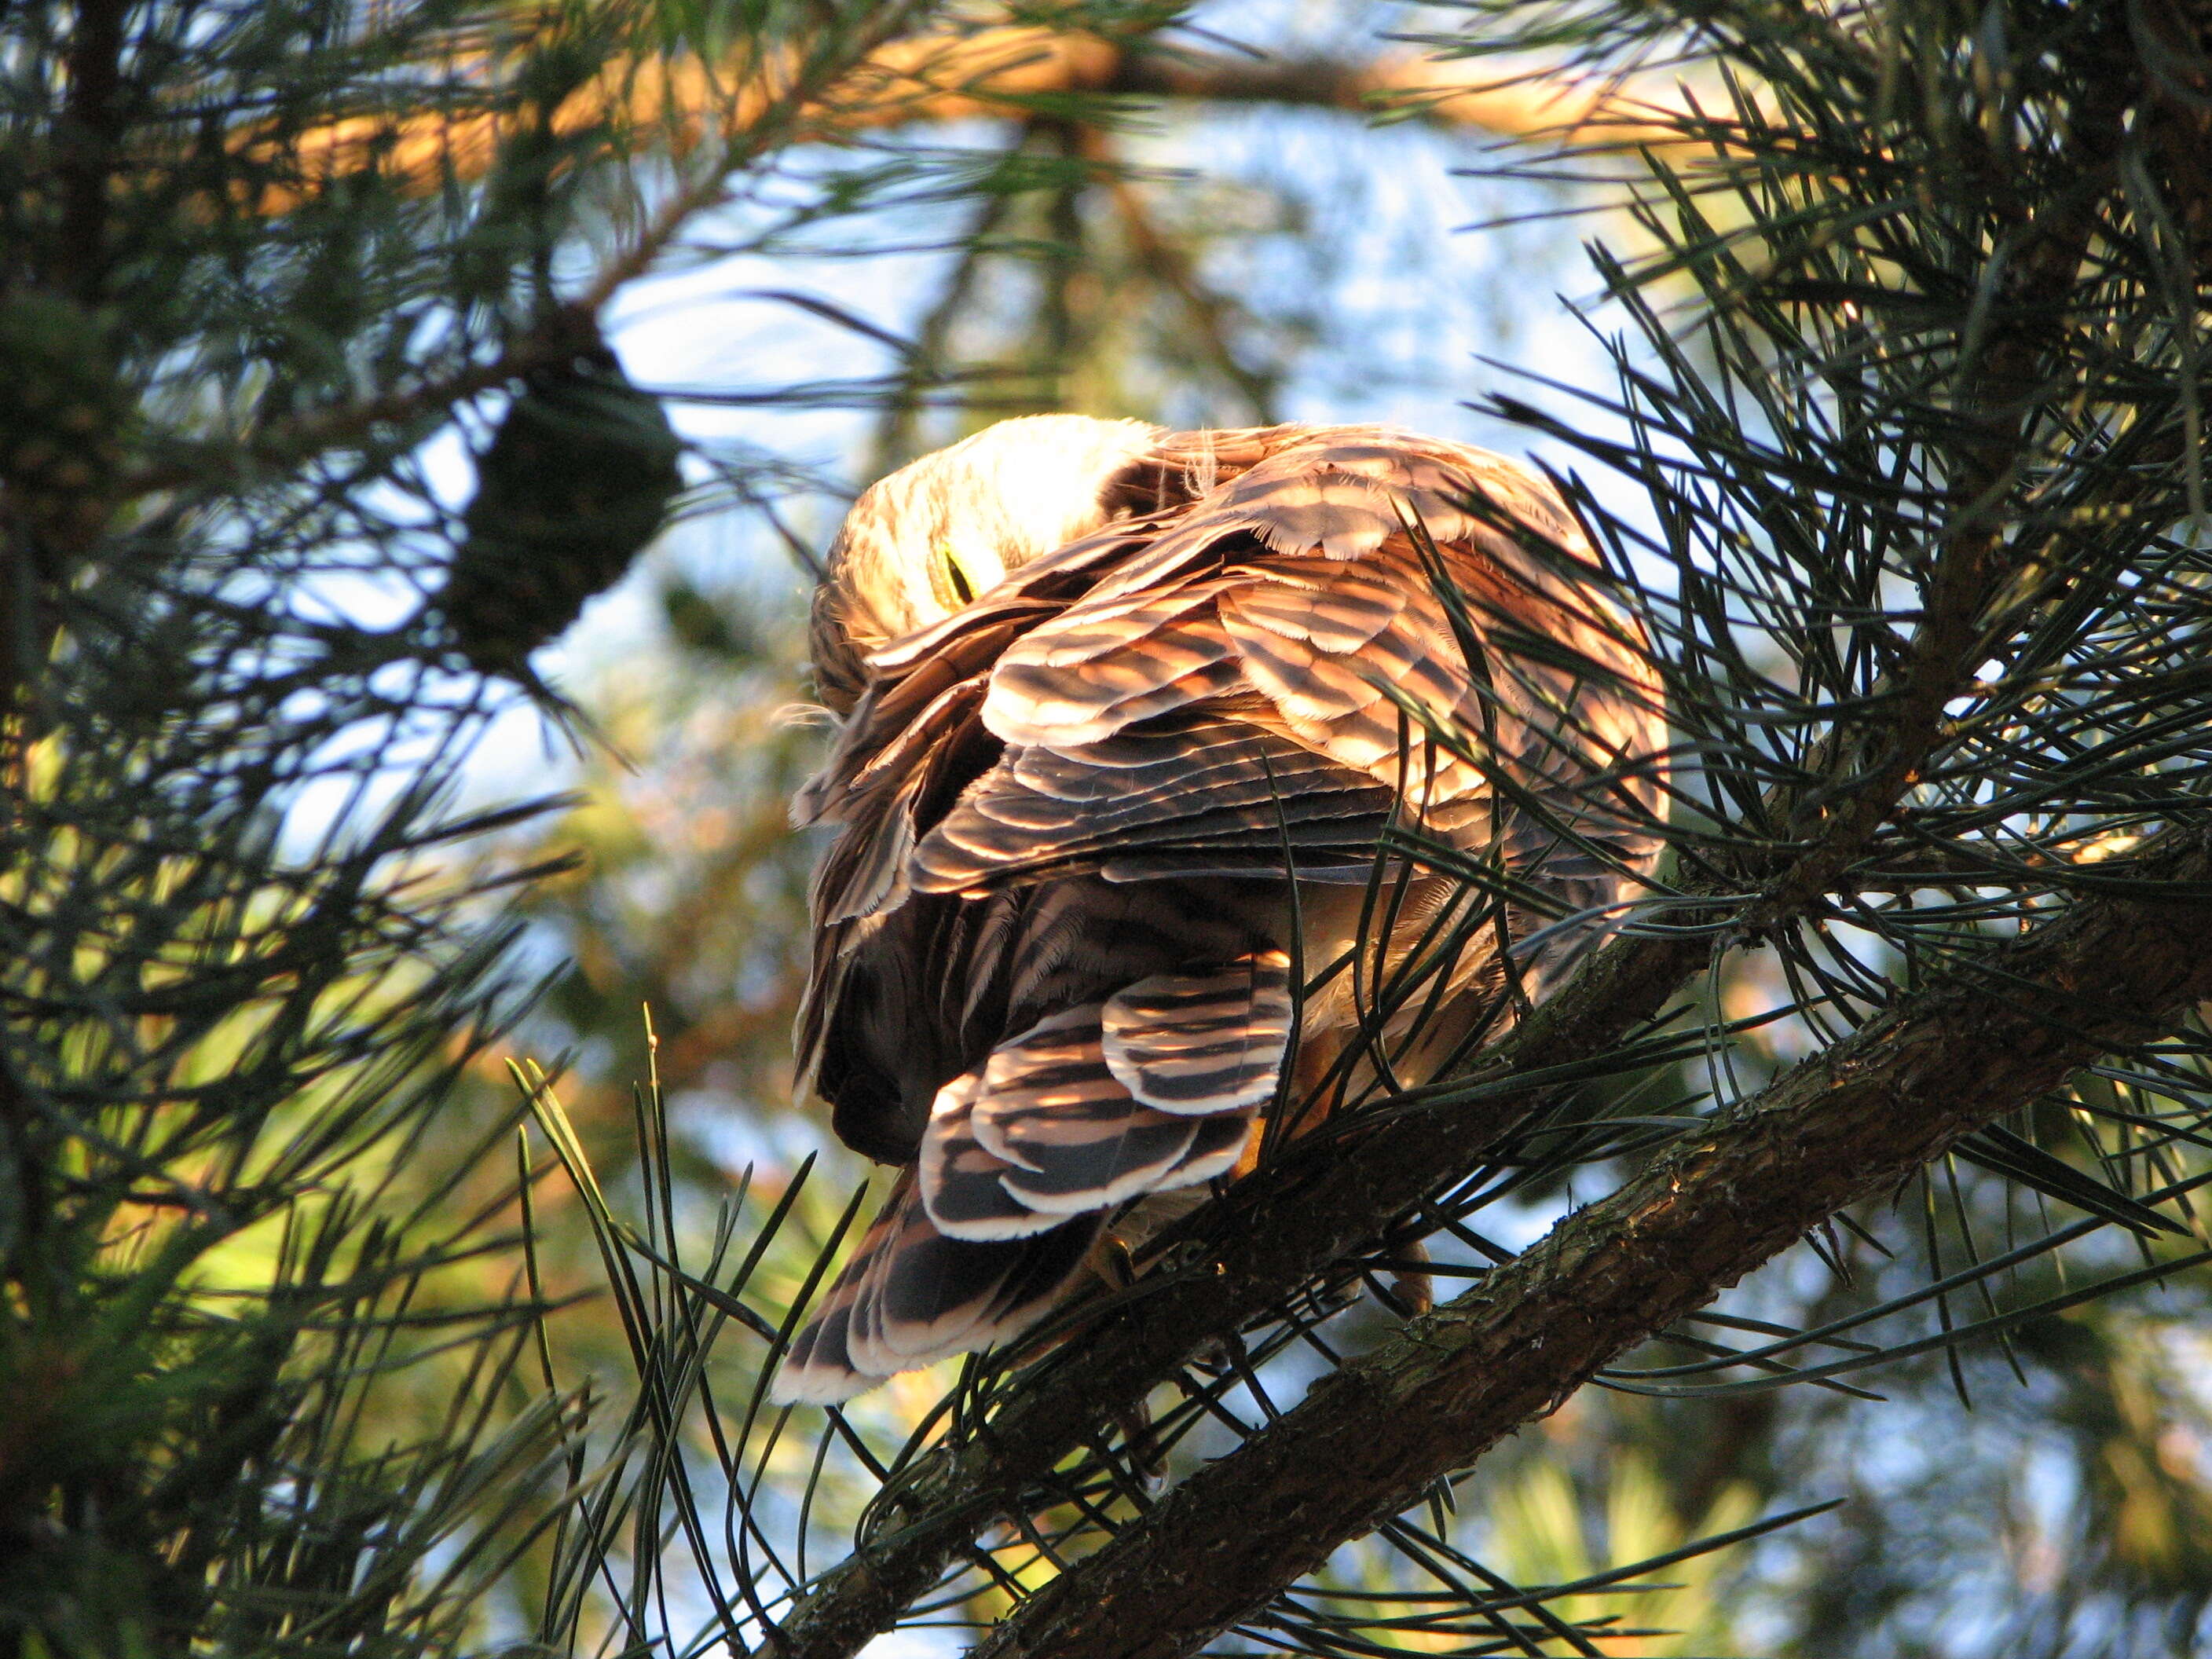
(1845, 1126)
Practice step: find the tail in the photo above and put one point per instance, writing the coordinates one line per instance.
(910, 1296)
(1026, 1157)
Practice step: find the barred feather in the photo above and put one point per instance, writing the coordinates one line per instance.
(1202, 1044)
(1054, 933)
(1073, 1137)
(909, 1296)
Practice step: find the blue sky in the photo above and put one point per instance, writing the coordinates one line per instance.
(1410, 302)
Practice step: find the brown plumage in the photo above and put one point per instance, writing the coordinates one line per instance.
(1104, 690)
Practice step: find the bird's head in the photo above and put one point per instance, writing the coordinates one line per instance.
(921, 544)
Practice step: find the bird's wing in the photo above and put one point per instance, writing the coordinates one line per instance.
(1250, 686)
(1194, 793)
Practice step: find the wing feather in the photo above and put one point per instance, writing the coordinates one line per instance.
(1095, 1104)
(1214, 687)
(1068, 1126)
(1033, 701)
(1208, 782)
(1202, 1044)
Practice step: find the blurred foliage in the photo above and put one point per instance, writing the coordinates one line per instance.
(276, 279)
(272, 1377)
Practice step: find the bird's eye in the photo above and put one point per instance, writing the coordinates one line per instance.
(957, 590)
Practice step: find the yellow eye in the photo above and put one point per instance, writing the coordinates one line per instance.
(954, 589)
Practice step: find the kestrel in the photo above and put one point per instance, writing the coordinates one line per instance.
(1185, 780)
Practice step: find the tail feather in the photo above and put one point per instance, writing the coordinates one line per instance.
(960, 1174)
(1073, 1139)
(1026, 1157)
(1202, 1043)
(1215, 1146)
(910, 1296)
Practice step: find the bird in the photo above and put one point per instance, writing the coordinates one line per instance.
(1186, 788)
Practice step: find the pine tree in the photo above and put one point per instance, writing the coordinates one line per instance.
(1902, 467)
(1911, 391)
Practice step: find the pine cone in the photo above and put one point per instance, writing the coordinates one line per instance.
(576, 482)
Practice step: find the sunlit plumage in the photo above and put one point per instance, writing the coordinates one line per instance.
(1103, 687)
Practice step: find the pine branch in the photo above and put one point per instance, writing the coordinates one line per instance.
(763, 124)
(936, 78)
(1845, 1126)
(1866, 772)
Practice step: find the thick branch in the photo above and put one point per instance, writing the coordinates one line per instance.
(921, 78)
(1442, 93)
(1842, 1127)
(935, 78)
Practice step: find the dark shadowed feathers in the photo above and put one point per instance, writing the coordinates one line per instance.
(1128, 715)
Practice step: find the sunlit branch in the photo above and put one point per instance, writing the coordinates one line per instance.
(938, 78)
(1847, 1126)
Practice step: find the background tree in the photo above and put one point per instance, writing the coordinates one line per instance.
(1857, 380)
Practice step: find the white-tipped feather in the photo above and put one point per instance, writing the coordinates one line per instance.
(1192, 702)
(1186, 1044)
(801, 1384)
(1215, 1149)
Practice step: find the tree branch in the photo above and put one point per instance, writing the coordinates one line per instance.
(931, 77)
(1847, 1126)
(939, 77)
(90, 129)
